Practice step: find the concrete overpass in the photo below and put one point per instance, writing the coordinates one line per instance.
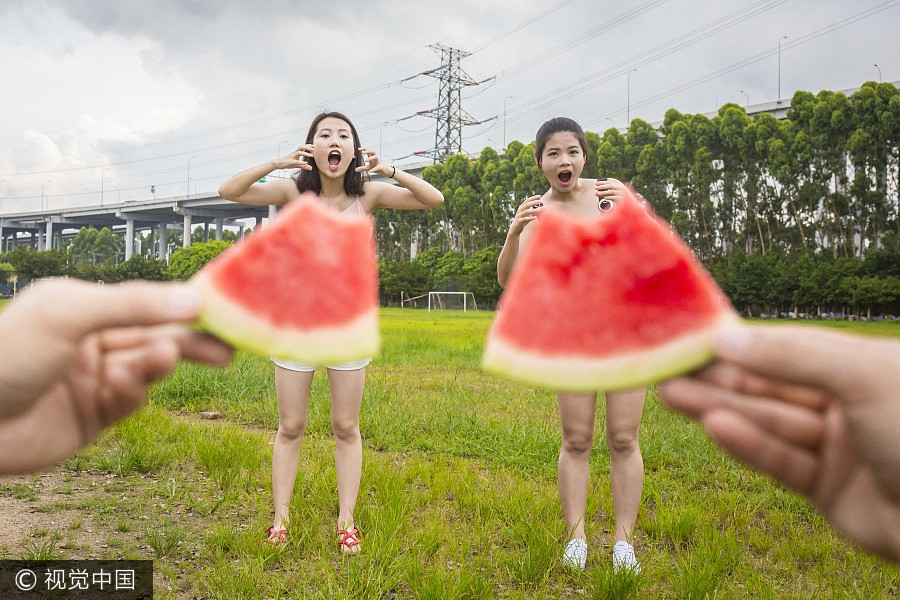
(44, 229)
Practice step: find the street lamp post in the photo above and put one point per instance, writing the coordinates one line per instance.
(784, 37)
(747, 97)
(189, 175)
(102, 173)
(504, 123)
(119, 194)
(628, 109)
(42, 194)
(611, 121)
(879, 72)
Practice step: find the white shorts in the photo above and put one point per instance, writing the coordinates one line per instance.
(347, 366)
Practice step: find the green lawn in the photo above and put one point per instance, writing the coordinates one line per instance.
(458, 495)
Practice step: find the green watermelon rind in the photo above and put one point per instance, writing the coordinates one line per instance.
(359, 338)
(568, 373)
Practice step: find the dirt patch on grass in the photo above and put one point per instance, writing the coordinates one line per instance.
(18, 521)
(52, 506)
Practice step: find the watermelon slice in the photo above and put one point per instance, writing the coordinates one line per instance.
(614, 302)
(304, 289)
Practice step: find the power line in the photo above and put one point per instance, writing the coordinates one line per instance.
(647, 57)
(562, 47)
(761, 56)
(521, 26)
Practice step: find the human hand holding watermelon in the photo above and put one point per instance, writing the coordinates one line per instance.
(614, 302)
(304, 289)
(818, 411)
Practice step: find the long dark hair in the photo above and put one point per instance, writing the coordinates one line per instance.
(556, 125)
(308, 181)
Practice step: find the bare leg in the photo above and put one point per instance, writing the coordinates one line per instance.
(292, 394)
(346, 397)
(626, 466)
(576, 415)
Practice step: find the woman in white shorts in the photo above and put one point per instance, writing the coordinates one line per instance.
(332, 165)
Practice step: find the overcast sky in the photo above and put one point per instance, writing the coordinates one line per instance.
(123, 95)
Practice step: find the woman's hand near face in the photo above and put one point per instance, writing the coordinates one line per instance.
(611, 189)
(298, 159)
(525, 214)
(372, 163)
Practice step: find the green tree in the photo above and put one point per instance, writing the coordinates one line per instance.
(107, 247)
(448, 274)
(480, 275)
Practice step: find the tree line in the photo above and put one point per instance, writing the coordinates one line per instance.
(765, 203)
(798, 215)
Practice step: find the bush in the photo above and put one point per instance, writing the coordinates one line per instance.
(31, 264)
(480, 275)
(138, 267)
(184, 262)
(396, 276)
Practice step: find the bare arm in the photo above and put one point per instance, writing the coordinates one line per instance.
(246, 189)
(415, 193)
(517, 237)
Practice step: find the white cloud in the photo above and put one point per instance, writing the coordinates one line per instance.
(142, 88)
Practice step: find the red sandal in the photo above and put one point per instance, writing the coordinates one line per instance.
(349, 540)
(276, 537)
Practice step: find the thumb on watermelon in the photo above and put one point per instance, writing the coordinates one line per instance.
(837, 362)
(80, 308)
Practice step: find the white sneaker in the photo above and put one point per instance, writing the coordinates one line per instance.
(623, 558)
(575, 555)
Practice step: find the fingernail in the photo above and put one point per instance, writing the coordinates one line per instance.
(733, 341)
(184, 302)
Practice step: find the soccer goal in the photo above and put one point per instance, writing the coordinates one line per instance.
(407, 301)
(452, 301)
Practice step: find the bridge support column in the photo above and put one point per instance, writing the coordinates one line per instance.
(163, 251)
(129, 238)
(220, 222)
(48, 236)
(186, 238)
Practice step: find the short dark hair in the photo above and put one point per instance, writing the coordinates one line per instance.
(556, 125)
(309, 181)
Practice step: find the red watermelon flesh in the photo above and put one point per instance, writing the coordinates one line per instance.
(304, 289)
(613, 302)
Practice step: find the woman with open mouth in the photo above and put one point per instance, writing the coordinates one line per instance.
(334, 166)
(561, 152)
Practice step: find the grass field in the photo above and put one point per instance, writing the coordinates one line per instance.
(458, 495)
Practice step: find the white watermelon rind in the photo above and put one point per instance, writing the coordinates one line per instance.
(622, 371)
(358, 339)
